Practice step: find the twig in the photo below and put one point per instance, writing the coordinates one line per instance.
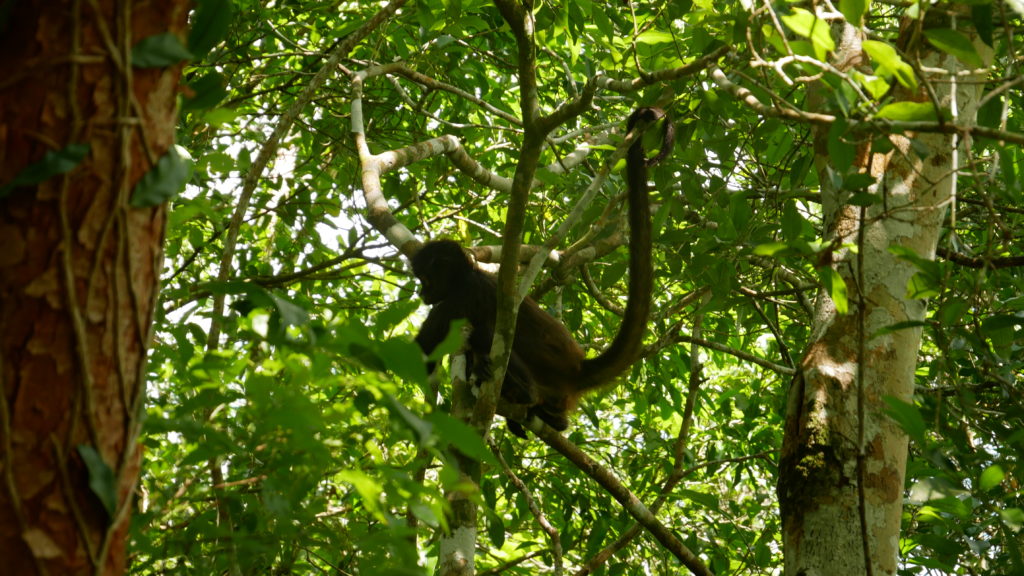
(622, 495)
(531, 502)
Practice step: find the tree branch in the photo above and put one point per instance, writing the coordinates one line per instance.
(878, 125)
(617, 490)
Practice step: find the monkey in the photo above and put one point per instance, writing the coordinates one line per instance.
(548, 371)
(456, 288)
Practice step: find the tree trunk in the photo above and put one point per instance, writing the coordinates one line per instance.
(79, 274)
(458, 544)
(843, 460)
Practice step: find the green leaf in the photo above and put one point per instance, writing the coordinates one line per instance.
(951, 311)
(218, 162)
(991, 477)
(462, 436)
(908, 417)
(654, 36)
(770, 248)
(207, 91)
(889, 63)
(908, 254)
(495, 529)
(858, 181)
(864, 199)
(836, 288)
(921, 286)
(854, 10)
(740, 212)
(220, 116)
(956, 44)
(210, 23)
(898, 326)
(101, 478)
(165, 180)
(451, 343)
(809, 26)
(394, 314)
(840, 152)
(1013, 518)
(403, 358)
(1003, 321)
(705, 499)
(1000, 331)
(423, 429)
(291, 314)
(908, 111)
(875, 85)
(792, 223)
(981, 17)
(368, 489)
(951, 505)
(159, 51)
(54, 162)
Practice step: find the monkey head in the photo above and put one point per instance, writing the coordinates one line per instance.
(440, 266)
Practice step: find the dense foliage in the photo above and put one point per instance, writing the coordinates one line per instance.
(303, 437)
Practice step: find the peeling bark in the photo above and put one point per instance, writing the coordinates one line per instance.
(79, 273)
(843, 460)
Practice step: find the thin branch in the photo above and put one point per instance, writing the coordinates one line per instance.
(531, 502)
(622, 495)
(624, 86)
(741, 354)
(869, 125)
(269, 150)
(980, 262)
(404, 71)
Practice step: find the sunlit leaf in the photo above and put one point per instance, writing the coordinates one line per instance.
(1013, 517)
(908, 111)
(462, 436)
(890, 63)
(809, 26)
(770, 249)
(991, 477)
(423, 429)
(956, 44)
(164, 181)
(369, 490)
(854, 10)
(836, 288)
(654, 36)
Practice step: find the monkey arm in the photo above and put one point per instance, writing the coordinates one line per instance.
(436, 328)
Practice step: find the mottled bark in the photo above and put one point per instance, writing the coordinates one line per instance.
(843, 460)
(458, 544)
(79, 273)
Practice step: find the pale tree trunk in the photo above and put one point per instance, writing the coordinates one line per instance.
(458, 544)
(79, 273)
(843, 460)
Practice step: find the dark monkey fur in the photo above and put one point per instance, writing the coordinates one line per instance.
(547, 370)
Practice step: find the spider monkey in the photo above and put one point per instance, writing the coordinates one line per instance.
(547, 369)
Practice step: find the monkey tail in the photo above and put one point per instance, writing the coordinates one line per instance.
(625, 348)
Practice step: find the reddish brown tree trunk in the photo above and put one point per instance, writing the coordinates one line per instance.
(79, 272)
